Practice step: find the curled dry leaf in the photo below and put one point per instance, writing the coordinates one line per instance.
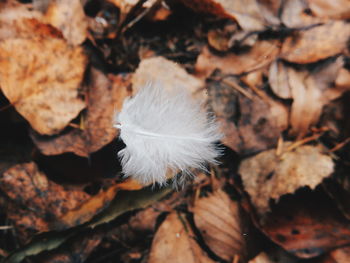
(40, 75)
(316, 43)
(336, 9)
(246, 13)
(307, 224)
(175, 242)
(260, 55)
(219, 221)
(269, 176)
(69, 17)
(104, 97)
(36, 202)
(166, 74)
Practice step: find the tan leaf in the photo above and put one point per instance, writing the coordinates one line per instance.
(316, 43)
(219, 221)
(104, 98)
(278, 79)
(69, 17)
(310, 92)
(260, 55)
(294, 14)
(336, 9)
(268, 176)
(174, 241)
(167, 74)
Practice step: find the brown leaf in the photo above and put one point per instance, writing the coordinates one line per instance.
(36, 202)
(219, 221)
(246, 13)
(269, 176)
(336, 9)
(307, 225)
(274, 257)
(174, 241)
(310, 92)
(316, 43)
(103, 99)
(260, 55)
(248, 122)
(69, 17)
(40, 75)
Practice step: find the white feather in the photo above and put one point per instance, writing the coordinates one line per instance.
(165, 130)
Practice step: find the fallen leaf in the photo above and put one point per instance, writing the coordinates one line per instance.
(294, 14)
(310, 92)
(307, 225)
(219, 220)
(279, 80)
(174, 241)
(259, 56)
(274, 256)
(36, 202)
(69, 17)
(336, 9)
(316, 43)
(47, 73)
(167, 74)
(126, 201)
(104, 97)
(246, 13)
(267, 176)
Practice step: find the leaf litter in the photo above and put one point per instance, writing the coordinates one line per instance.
(274, 73)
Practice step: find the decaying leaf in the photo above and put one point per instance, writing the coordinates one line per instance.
(36, 201)
(174, 241)
(249, 123)
(269, 176)
(104, 98)
(307, 224)
(69, 17)
(260, 55)
(219, 221)
(40, 74)
(279, 80)
(316, 43)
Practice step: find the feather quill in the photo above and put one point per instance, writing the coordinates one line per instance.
(165, 129)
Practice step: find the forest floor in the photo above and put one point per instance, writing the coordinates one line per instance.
(275, 73)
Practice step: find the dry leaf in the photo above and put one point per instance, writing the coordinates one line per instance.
(104, 98)
(268, 176)
(274, 256)
(336, 9)
(219, 221)
(69, 17)
(260, 55)
(279, 80)
(36, 202)
(174, 241)
(246, 13)
(307, 224)
(40, 75)
(167, 74)
(295, 14)
(310, 92)
(316, 43)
